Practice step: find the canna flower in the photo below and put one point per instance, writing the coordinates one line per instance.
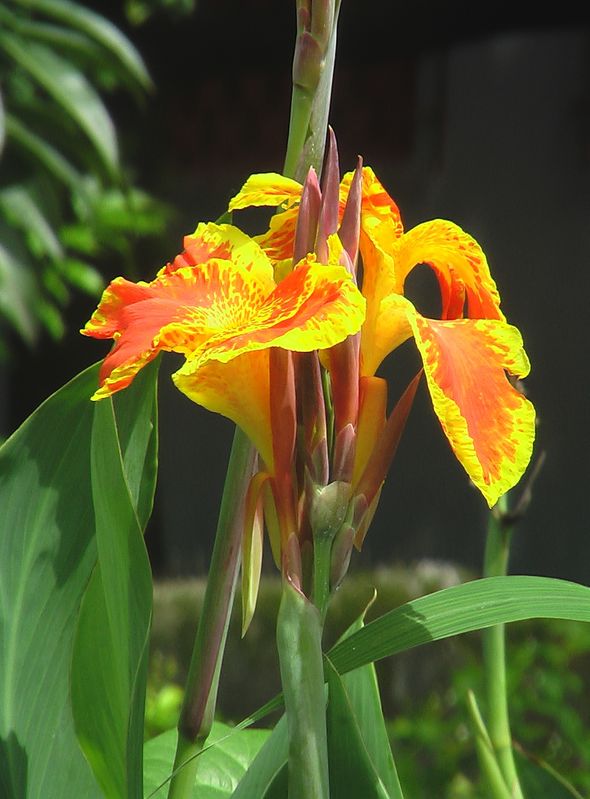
(467, 354)
(218, 305)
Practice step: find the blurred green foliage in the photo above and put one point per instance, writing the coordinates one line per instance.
(423, 691)
(65, 196)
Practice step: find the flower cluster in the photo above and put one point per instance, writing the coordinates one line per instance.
(284, 333)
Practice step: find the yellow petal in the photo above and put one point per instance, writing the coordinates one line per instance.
(225, 242)
(239, 390)
(269, 189)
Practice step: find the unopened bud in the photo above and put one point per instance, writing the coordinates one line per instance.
(329, 506)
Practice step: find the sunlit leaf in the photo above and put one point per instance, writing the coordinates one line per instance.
(47, 553)
(461, 609)
(110, 652)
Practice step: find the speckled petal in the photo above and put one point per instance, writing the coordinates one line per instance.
(489, 424)
(225, 242)
(459, 263)
(178, 311)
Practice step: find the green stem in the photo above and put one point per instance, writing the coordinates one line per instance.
(299, 637)
(310, 107)
(485, 753)
(196, 716)
(495, 565)
(322, 560)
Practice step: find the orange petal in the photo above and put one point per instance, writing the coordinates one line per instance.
(221, 241)
(459, 263)
(178, 311)
(266, 189)
(377, 205)
(489, 424)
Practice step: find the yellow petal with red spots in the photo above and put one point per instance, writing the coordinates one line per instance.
(460, 266)
(269, 189)
(314, 307)
(279, 240)
(377, 206)
(239, 390)
(178, 311)
(489, 424)
(226, 242)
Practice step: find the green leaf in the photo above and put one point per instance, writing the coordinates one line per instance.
(20, 205)
(47, 552)
(223, 762)
(19, 297)
(538, 778)
(44, 153)
(98, 28)
(352, 772)
(461, 609)
(362, 692)
(71, 90)
(268, 767)
(109, 669)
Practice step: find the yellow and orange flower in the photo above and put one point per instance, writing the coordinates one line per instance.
(218, 305)
(466, 353)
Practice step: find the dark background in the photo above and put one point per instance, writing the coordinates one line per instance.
(483, 120)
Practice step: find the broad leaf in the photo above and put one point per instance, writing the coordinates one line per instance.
(461, 609)
(47, 553)
(71, 90)
(110, 654)
(222, 764)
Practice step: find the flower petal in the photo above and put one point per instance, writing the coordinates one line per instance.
(459, 264)
(489, 424)
(314, 307)
(221, 241)
(239, 390)
(279, 240)
(178, 311)
(268, 188)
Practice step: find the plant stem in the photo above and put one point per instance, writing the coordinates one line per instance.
(299, 637)
(496, 564)
(322, 559)
(196, 716)
(310, 103)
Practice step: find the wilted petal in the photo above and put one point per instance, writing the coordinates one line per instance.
(489, 424)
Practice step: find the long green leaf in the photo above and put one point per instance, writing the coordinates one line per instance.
(20, 205)
(98, 28)
(269, 763)
(18, 288)
(362, 692)
(461, 609)
(352, 772)
(44, 153)
(71, 90)
(47, 552)
(110, 653)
